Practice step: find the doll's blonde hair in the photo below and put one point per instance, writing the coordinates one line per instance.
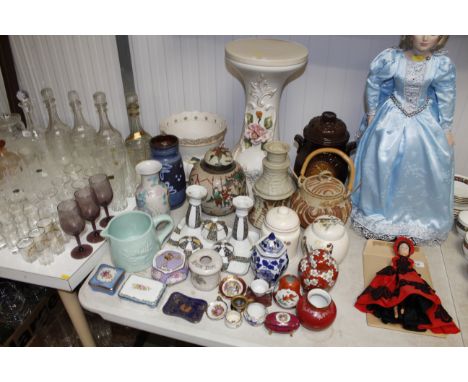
(406, 43)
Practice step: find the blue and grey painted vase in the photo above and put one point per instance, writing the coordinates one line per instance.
(165, 149)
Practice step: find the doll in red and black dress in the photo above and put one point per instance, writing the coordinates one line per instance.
(398, 294)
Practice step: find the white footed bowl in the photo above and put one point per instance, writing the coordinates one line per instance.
(197, 132)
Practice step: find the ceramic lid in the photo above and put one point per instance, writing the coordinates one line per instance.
(218, 159)
(168, 261)
(266, 52)
(463, 217)
(271, 246)
(326, 130)
(328, 227)
(282, 219)
(205, 262)
(214, 230)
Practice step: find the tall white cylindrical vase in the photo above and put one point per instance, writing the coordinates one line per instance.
(264, 67)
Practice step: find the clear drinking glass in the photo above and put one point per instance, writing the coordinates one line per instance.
(73, 224)
(27, 250)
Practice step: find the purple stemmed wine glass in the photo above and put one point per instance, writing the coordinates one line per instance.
(89, 210)
(103, 190)
(73, 224)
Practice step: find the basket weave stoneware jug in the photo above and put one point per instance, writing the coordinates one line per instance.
(323, 194)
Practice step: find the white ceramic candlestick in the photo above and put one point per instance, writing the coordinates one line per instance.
(264, 67)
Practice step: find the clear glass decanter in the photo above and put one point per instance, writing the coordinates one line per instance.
(111, 153)
(137, 143)
(58, 134)
(84, 136)
(33, 134)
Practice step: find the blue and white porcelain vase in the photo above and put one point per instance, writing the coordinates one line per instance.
(151, 195)
(269, 259)
(165, 149)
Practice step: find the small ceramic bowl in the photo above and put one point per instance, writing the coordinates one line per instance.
(232, 286)
(259, 287)
(216, 310)
(462, 223)
(255, 314)
(239, 303)
(233, 319)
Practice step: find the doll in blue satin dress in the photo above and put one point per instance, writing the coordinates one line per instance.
(404, 160)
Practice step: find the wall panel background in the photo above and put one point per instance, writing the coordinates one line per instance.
(181, 73)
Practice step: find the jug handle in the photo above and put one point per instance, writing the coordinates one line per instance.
(105, 232)
(166, 231)
(332, 150)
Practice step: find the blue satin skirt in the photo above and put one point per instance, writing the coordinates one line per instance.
(404, 171)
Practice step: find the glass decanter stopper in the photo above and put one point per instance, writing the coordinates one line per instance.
(112, 154)
(58, 134)
(137, 143)
(83, 135)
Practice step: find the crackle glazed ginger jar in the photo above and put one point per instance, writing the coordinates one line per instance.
(224, 179)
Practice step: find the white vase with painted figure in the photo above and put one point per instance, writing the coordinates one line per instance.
(151, 195)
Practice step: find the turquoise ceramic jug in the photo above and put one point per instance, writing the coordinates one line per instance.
(134, 240)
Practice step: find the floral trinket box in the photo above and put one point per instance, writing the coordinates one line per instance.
(142, 290)
(107, 279)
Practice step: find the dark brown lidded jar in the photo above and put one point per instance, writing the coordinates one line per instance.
(324, 131)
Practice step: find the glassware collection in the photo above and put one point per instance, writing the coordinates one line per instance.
(243, 211)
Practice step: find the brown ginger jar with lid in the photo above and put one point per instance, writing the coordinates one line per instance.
(322, 131)
(223, 178)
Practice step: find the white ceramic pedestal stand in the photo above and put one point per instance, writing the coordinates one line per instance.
(264, 67)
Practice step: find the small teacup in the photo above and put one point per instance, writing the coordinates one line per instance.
(239, 303)
(255, 314)
(233, 319)
(259, 287)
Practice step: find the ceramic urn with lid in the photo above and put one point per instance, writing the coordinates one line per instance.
(326, 232)
(284, 222)
(325, 130)
(269, 259)
(224, 179)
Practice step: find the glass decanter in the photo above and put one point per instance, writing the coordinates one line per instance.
(33, 134)
(11, 169)
(111, 153)
(83, 135)
(58, 134)
(137, 143)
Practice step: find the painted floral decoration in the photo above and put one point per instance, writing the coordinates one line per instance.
(257, 132)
